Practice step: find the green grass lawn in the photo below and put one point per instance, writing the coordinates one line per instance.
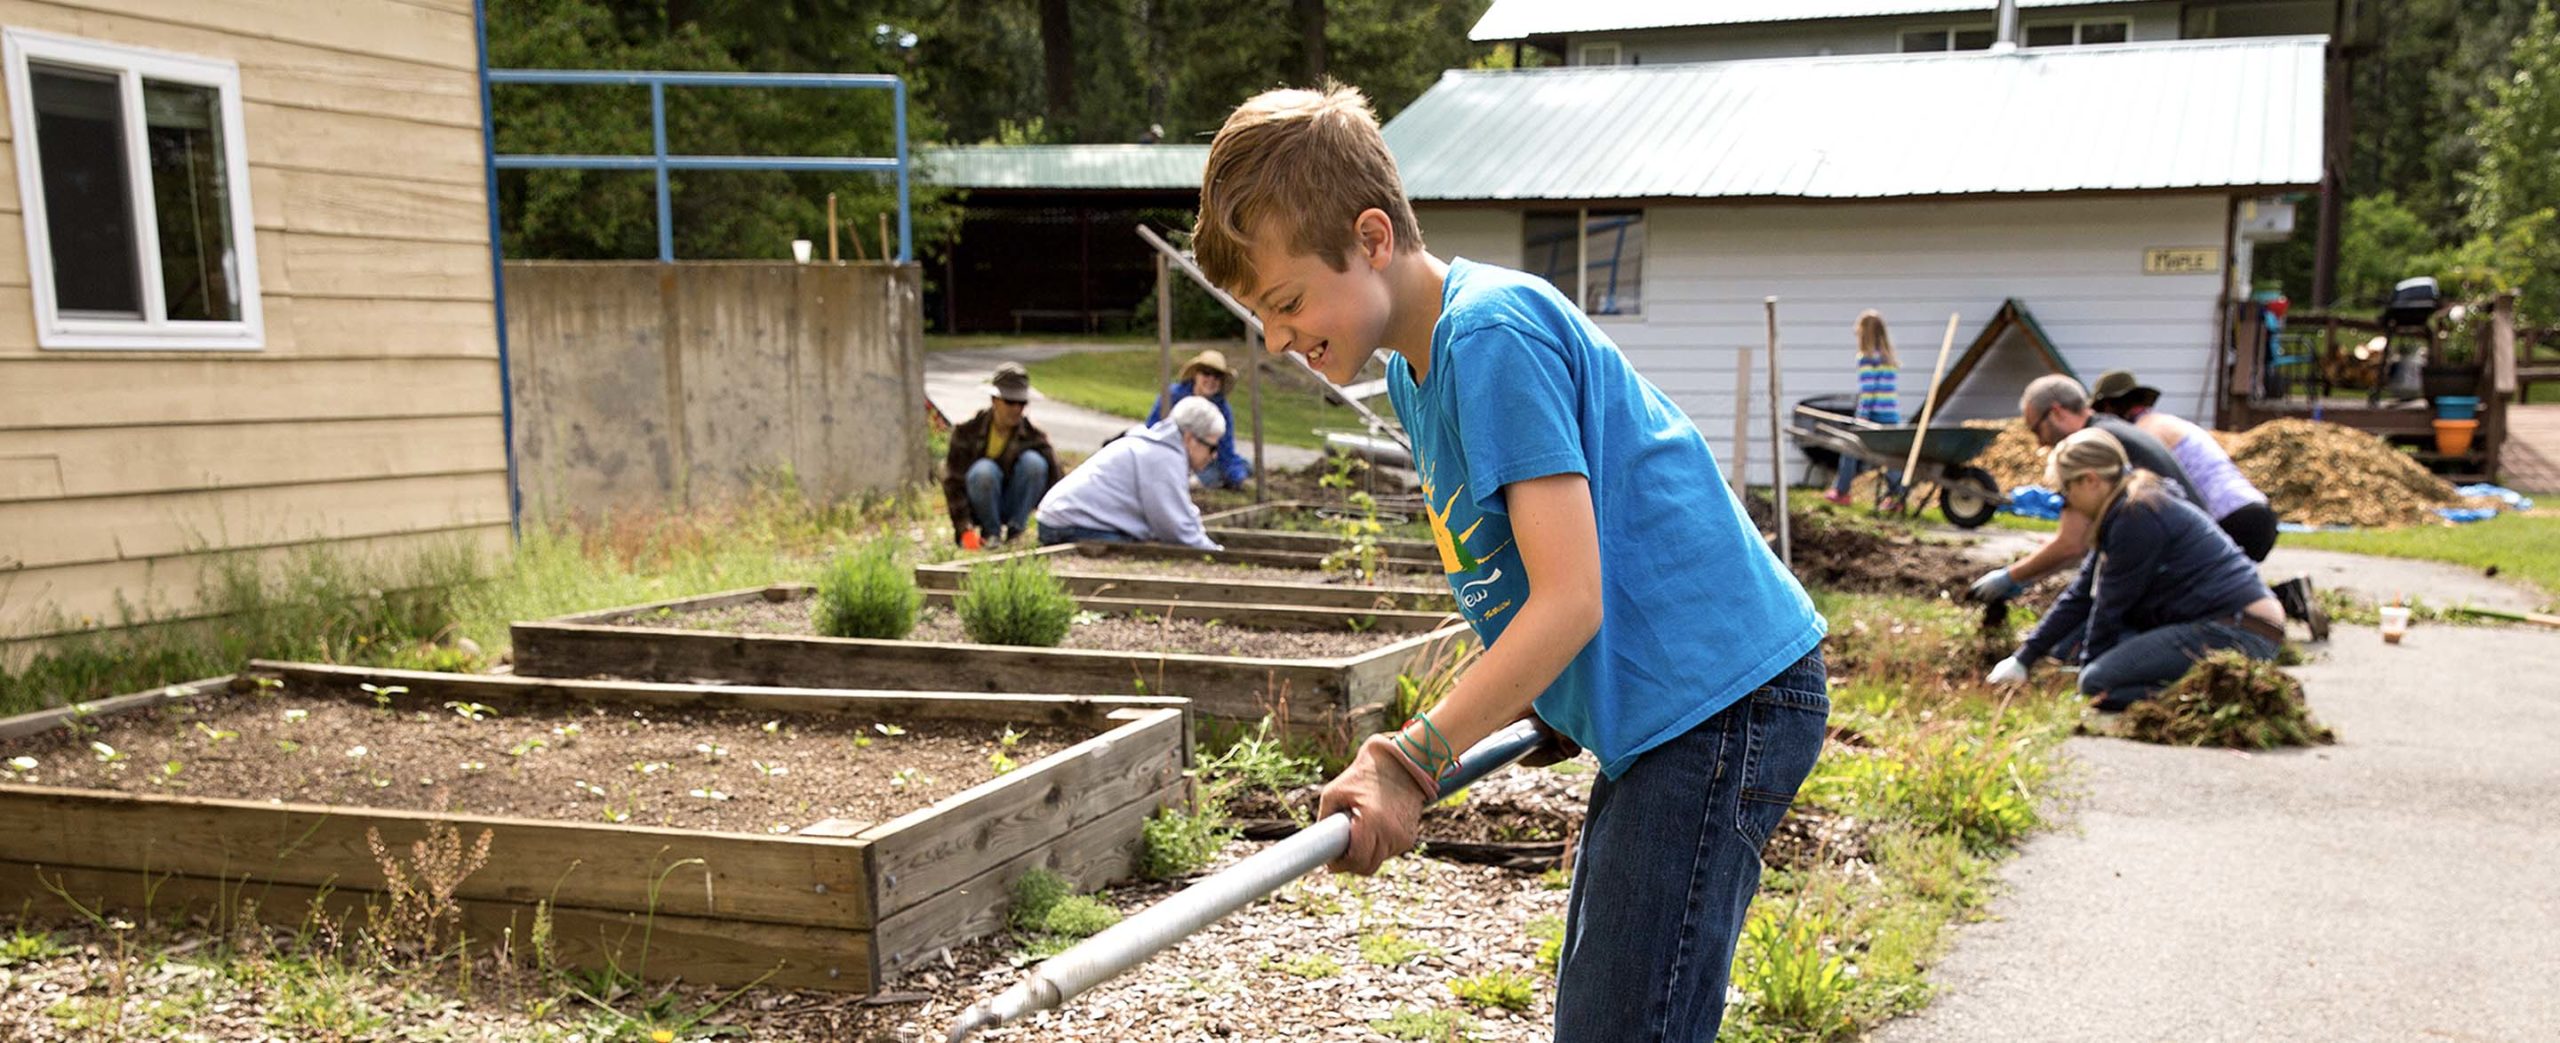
(1123, 383)
(2522, 546)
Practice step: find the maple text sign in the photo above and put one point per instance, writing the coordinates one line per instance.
(2181, 260)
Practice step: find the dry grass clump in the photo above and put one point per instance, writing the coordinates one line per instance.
(2228, 699)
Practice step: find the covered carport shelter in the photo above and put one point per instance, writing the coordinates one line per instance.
(1048, 236)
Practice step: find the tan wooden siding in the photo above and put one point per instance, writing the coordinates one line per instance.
(47, 602)
(368, 421)
(38, 534)
(166, 388)
(179, 458)
(381, 28)
(280, 71)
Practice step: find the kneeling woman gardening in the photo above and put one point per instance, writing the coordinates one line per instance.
(2161, 586)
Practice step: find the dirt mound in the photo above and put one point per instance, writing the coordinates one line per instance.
(2324, 474)
(2228, 699)
(1839, 553)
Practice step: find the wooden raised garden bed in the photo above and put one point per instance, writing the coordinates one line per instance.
(1334, 696)
(1297, 526)
(1154, 572)
(814, 901)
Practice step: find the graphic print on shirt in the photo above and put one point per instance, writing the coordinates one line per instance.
(1480, 597)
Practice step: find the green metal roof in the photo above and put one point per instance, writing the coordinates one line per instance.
(2129, 117)
(1520, 19)
(1067, 167)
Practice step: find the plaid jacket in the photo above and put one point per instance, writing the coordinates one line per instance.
(968, 446)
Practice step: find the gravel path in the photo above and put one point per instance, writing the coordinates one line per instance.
(2397, 886)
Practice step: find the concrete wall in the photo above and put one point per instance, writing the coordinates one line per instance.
(639, 385)
(2076, 263)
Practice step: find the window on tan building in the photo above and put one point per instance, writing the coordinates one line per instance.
(136, 196)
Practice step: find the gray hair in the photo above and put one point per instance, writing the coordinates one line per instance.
(1199, 418)
(2051, 392)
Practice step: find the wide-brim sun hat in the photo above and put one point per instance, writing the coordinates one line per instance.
(1011, 383)
(1210, 359)
(2119, 385)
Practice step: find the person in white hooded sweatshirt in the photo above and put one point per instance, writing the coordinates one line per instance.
(1137, 487)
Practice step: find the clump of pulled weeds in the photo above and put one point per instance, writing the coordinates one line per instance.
(2231, 700)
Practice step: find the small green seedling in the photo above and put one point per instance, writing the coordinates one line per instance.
(471, 711)
(216, 734)
(382, 693)
(106, 754)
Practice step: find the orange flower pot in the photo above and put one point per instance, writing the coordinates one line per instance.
(2453, 437)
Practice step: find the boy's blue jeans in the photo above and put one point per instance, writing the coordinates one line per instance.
(1668, 860)
(2138, 667)
(997, 498)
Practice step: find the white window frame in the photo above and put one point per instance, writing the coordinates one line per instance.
(155, 331)
(1617, 54)
(2078, 24)
(1950, 30)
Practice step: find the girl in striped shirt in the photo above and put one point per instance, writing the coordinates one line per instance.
(1877, 403)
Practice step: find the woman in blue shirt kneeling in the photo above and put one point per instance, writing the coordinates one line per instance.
(2161, 587)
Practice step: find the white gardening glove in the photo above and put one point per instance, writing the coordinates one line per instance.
(1995, 585)
(2007, 671)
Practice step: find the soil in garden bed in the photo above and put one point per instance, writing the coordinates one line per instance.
(1397, 581)
(1115, 633)
(731, 771)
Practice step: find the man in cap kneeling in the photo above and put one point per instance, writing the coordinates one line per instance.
(1207, 376)
(1138, 487)
(999, 464)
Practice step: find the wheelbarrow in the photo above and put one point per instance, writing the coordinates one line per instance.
(1967, 495)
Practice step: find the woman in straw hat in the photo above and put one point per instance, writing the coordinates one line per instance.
(1207, 376)
(2160, 588)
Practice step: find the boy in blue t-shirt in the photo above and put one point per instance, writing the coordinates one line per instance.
(1620, 591)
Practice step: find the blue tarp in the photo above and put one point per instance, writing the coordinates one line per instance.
(2514, 500)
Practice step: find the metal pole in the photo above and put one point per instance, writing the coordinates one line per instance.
(1164, 332)
(658, 140)
(1777, 442)
(1158, 927)
(498, 273)
(906, 225)
(1742, 423)
(1253, 380)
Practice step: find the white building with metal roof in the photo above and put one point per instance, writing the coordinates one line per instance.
(1654, 32)
(2113, 190)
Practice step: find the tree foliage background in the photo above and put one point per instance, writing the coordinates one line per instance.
(977, 70)
(2451, 163)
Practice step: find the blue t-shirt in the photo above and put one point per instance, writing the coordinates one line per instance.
(1697, 611)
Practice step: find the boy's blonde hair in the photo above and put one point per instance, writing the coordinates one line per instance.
(1303, 163)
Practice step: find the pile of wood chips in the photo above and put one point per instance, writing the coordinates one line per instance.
(2324, 474)
(2314, 473)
